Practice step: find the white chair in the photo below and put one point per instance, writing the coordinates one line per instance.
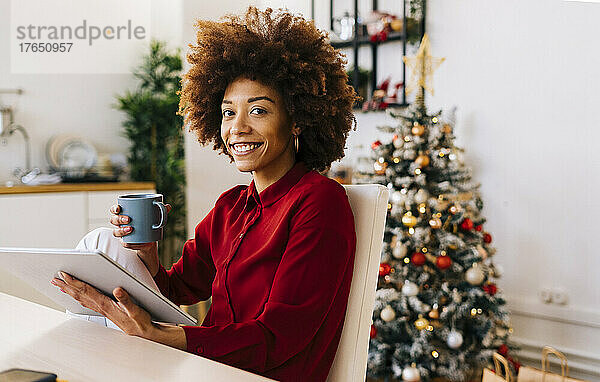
(369, 205)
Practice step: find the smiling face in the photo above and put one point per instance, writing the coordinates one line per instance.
(257, 129)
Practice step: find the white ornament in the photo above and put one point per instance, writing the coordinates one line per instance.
(411, 374)
(398, 143)
(498, 270)
(388, 314)
(455, 339)
(410, 289)
(421, 196)
(400, 250)
(398, 197)
(410, 154)
(474, 275)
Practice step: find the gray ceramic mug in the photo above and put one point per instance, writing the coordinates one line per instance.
(147, 214)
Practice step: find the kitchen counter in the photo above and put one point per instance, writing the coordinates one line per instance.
(77, 187)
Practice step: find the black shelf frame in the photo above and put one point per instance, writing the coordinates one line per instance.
(358, 41)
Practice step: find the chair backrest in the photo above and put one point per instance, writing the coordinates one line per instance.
(369, 206)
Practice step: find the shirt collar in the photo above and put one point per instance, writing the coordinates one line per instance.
(276, 190)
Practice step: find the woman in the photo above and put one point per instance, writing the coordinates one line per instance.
(277, 255)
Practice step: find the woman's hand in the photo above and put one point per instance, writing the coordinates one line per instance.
(129, 317)
(148, 252)
(132, 319)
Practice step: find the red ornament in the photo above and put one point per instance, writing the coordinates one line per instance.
(443, 262)
(373, 38)
(490, 289)
(384, 269)
(487, 238)
(382, 36)
(503, 350)
(418, 258)
(373, 332)
(467, 224)
(478, 228)
(375, 144)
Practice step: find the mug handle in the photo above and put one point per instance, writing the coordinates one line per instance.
(163, 215)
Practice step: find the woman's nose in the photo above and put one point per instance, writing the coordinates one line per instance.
(239, 125)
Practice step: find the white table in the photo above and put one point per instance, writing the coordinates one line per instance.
(35, 337)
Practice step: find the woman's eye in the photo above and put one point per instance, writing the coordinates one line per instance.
(227, 113)
(257, 110)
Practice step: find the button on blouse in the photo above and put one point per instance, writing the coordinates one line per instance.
(278, 267)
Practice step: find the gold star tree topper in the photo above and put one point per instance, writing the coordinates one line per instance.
(422, 67)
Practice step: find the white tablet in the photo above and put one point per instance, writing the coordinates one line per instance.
(37, 266)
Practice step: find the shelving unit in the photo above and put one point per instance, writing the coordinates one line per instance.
(363, 40)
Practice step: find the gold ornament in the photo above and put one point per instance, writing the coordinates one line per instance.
(434, 314)
(447, 128)
(482, 252)
(379, 94)
(409, 220)
(422, 160)
(421, 323)
(435, 223)
(418, 130)
(380, 167)
(422, 67)
(396, 25)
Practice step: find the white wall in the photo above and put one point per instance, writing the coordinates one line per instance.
(524, 75)
(71, 103)
(208, 174)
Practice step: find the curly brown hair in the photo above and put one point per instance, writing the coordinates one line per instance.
(280, 50)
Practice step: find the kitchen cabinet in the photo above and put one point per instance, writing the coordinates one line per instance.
(54, 216)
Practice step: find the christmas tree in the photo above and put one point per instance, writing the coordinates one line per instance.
(438, 312)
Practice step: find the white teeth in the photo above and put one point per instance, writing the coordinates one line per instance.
(243, 147)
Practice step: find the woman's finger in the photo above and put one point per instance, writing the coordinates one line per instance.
(115, 209)
(119, 219)
(72, 281)
(139, 320)
(124, 301)
(123, 231)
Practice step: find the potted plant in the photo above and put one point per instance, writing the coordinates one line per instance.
(156, 135)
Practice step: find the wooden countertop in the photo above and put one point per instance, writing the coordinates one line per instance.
(40, 338)
(74, 187)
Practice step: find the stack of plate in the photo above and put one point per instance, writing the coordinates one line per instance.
(70, 155)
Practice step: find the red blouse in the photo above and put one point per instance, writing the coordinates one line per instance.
(278, 267)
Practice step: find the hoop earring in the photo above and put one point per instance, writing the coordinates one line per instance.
(227, 146)
(296, 144)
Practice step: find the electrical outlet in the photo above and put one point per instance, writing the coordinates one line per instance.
(560, 296)
(545, 295)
